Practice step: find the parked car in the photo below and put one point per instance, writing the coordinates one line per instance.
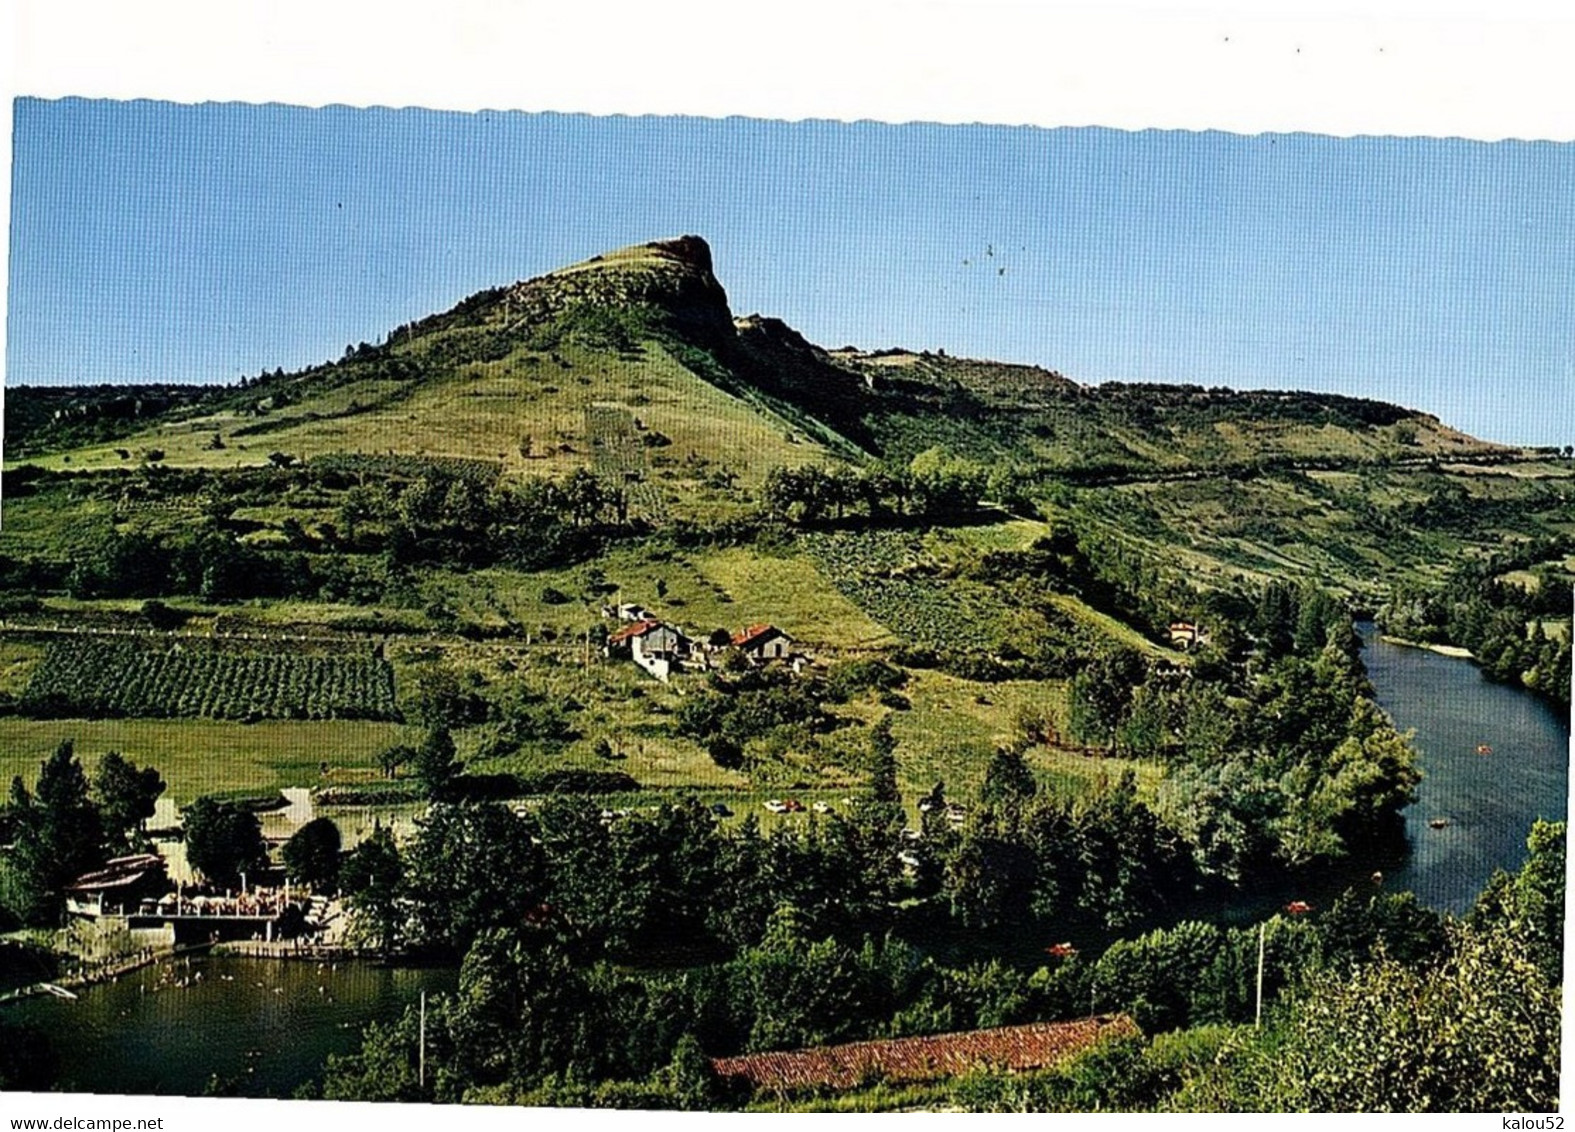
(776, 806)
(721, 810)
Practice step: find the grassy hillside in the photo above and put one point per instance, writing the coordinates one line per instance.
(418, 496)
(1065, 666)
(649, 327)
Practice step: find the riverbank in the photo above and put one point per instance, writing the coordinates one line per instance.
(108, 970)
(1454, 651)
(79, 976)
(289, 949)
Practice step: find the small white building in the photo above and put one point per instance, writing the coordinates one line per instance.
(653, 645)
(1186, 635)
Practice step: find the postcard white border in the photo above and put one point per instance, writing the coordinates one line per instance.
(1444, 68)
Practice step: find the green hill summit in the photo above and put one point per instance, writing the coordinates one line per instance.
(669, 281)
(649, 327)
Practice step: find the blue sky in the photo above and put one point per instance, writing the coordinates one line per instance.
(151, 241)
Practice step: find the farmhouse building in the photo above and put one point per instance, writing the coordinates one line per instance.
(763, 642)
(654, 645)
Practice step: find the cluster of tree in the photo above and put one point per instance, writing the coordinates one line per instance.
(1202, 406)
(514, 714)
(43, 419)
(631, 886)
(1450, 507)
(538, 1019)
(1294, 767)
(850, 678)
(223, 841)
(685, 884)
(1024, 858)
(1293, 763)
(433, 763)
(380, 529)
(1518, 631)
(206, 561)
(68, 824)
(531, 523)
(753, 704)
(933, 485)
(1386, 1008)
(313, 853)
(542, 1017)
(1277, 754)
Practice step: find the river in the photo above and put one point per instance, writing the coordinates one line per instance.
(263, 1027)
(247, 1027)
(1488, 800)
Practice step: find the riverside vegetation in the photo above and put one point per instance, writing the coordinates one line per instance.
(393, 566)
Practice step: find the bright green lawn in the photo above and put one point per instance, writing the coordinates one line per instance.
(955, 726)
(199, 756)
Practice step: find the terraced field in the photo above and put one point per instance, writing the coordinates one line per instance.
(893, 578)
(618, 456)
(131, 677)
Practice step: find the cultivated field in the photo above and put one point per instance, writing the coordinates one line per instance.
(202, 756)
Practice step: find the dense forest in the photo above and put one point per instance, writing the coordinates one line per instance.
(565, 997)
(548, 1013)
(1506, 607)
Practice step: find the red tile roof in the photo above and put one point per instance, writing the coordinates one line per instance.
(1037, 1045)
(628, 632)
(755, 633)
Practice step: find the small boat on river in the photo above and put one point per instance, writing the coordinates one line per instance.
(1484, 749)
(1437, 823)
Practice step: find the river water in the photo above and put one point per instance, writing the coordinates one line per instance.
(248, 1027)
(1488, 800)
(262, 1027)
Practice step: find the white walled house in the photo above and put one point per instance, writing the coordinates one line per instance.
(653, 645)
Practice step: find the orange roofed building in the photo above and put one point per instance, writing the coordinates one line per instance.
(1037, 1045)
(653, 645)
(763, 642)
